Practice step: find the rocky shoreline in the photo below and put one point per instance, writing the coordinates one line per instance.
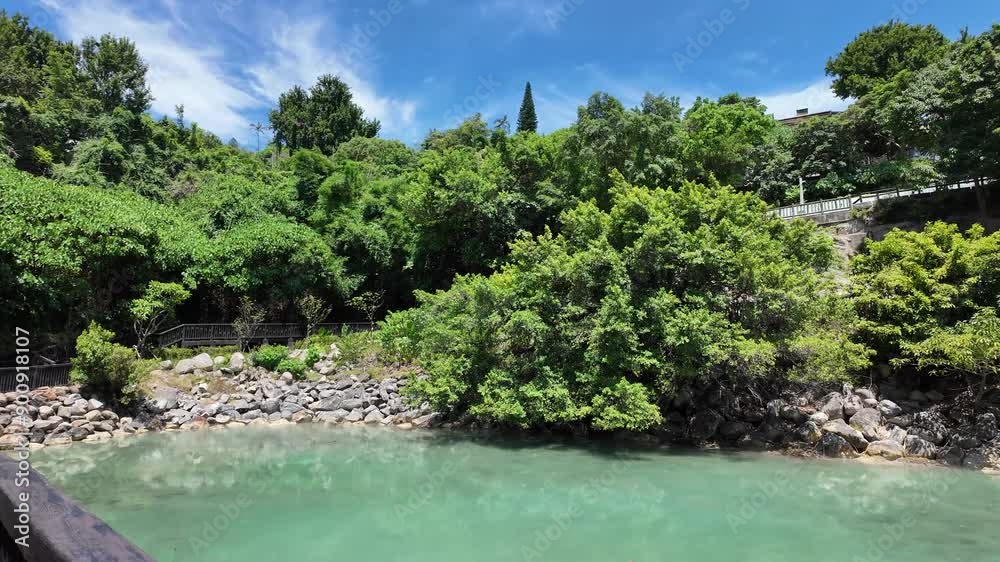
(848, 423)
(62, 415)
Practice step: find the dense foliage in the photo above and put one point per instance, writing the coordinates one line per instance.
(910, 285)
(106, 368)
(602, 321)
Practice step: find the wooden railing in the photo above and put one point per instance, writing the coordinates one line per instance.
(59, 530)
(38, 376)
(204, 335)
(867, 199)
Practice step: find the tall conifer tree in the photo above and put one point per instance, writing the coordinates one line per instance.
(526, 119)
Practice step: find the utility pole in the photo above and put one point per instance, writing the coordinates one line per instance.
(802, 191)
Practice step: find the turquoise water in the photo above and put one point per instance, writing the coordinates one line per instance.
(309, 493)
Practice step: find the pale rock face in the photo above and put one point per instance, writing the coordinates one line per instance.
(891, 450)
(203, 362)
(237, 362)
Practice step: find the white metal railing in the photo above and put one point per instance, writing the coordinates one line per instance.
(866, 199)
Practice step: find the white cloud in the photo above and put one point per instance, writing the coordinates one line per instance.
(179, 72)
(296, 54)
(187, 67)
(816, 97)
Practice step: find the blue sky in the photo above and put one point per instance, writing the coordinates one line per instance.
(422, 64)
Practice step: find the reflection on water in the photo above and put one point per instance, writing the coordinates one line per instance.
(317, 493)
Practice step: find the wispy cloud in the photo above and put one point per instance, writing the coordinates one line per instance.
(181, 71)
(298, 53)
(197, 69)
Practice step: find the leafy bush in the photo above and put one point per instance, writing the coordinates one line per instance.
(968, 349)
(313, 355)
(603, 321)
(269, 356)
(294, 366)
(911, 284)
(106, 367)
(176, 354)
(321, 339)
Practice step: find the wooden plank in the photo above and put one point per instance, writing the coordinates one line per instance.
(61, 530)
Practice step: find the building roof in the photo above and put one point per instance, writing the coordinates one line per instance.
(804, 115)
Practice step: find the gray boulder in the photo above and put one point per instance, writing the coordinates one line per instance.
(374, 416)
(819, 418)
(834, 446)
(904, 421)
(864, 393)
(851, 435)
(930, 425)
(237, 362)
(914, 446)
(986, 426)
(203, 362)
(889, 408)
(809, 432)
(898, 435)
(425, 421)
(270, 406)
(342, 384)
(792, 414)
(291, 407)
(251, 415)
(852, 405)
(869, 422)
(355, 416)
(891, 450)
(954, 456)
(239, 405)
(834, 407)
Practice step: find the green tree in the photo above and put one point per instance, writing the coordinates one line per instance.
(600, 323)
(116, 73)
(313, 310)
(970, 349)
(290, 121)
(879, 54)
(910, 284)
(105, 367)
(527, 121)
(24, 52)
(720, 136)
(310, 169)
(157, 305)
(644, 144)
(323, 118)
